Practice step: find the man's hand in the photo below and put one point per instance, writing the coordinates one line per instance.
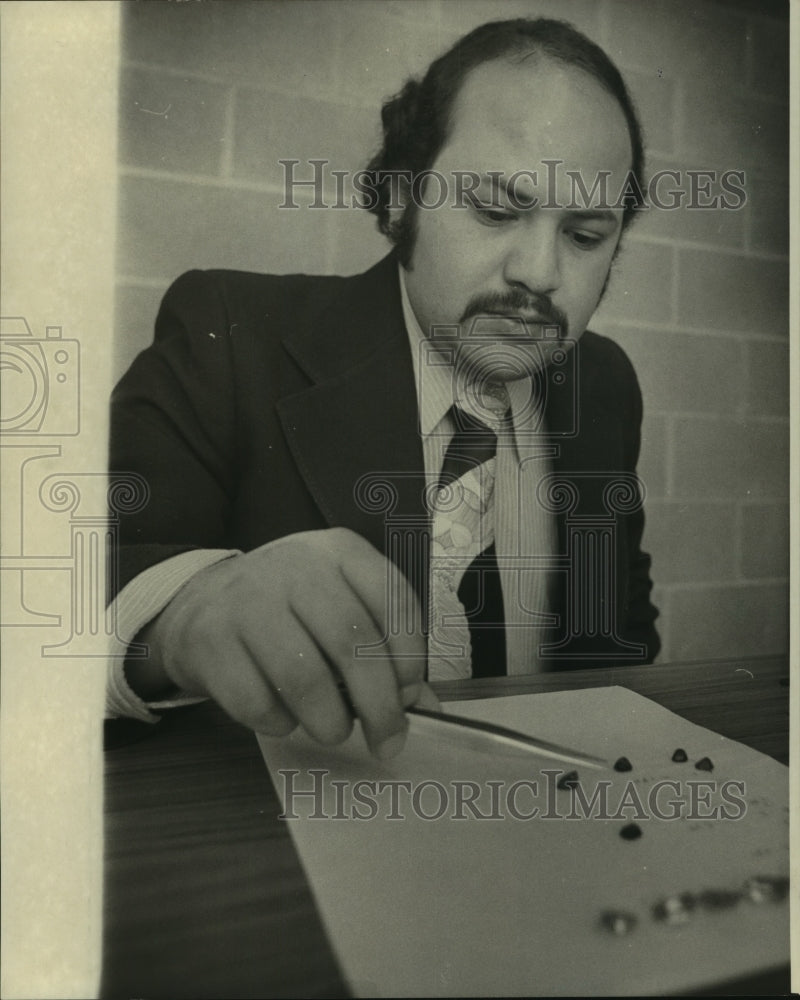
(270, 634)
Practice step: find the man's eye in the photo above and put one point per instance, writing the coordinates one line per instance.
(491, 215)
(586, 241)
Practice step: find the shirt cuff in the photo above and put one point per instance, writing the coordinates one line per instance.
(137, 604)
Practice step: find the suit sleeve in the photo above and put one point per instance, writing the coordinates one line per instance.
(173, 422)
(640, 613)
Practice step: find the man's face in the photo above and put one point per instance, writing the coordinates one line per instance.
(504, 255)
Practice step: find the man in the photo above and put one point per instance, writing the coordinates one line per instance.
(359, 485)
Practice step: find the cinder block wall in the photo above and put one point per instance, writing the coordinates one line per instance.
(214, 94)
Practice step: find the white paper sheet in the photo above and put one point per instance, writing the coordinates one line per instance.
(507, 906)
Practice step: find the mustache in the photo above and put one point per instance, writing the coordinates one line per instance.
(515, 303)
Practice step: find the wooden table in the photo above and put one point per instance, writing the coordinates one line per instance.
(205, 896)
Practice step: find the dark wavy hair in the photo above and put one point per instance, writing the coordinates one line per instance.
(416, 121)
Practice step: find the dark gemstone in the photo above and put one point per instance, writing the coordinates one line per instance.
(618, 922)
(680, 756)
(675, 909)
(718, 899)
(767, 888)
(568, 780)
(631, 831)
(623, 764)
(704, 764)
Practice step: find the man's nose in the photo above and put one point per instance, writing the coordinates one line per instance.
(532, 262)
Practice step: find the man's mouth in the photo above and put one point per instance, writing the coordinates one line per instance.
(515, 319)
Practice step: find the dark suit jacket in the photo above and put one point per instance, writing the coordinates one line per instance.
(264, 400)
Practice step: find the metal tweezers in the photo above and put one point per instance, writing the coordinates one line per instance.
(486, 737)
(490, 738)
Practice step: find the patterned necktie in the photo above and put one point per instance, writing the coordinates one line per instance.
(466, 630)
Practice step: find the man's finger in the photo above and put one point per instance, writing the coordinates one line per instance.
(240, 688)
(371, 684)
(420, 696)
(303, 679)
(395, 610)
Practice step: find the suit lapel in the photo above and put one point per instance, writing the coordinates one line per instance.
(354, 432)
